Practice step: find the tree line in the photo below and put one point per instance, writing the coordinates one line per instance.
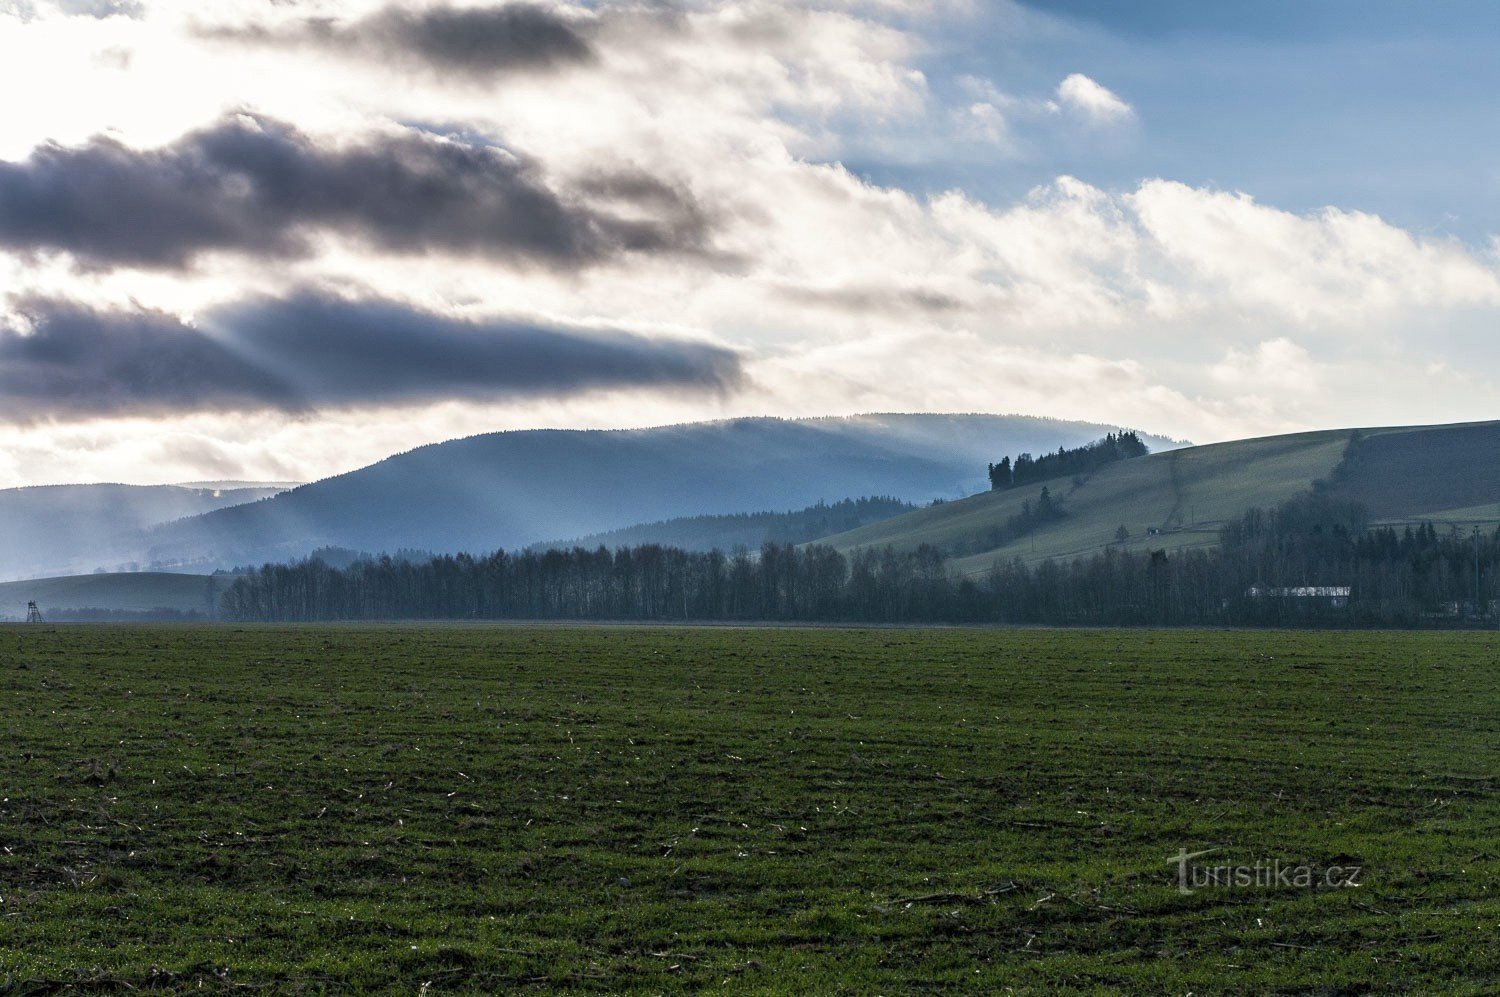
(1411, 576)
(649, 582)
(1077, 461)
(1415, 576)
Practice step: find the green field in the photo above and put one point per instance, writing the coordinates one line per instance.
(489, 808)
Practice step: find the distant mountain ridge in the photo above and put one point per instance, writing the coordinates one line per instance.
(1171, 501)
(513, 489)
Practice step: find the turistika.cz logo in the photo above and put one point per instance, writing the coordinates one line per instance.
(1263, 874)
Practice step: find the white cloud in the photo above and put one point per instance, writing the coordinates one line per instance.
(1333, 267)
(1095, 102)
(984, 122)
(1274, 367)
(1184, 310)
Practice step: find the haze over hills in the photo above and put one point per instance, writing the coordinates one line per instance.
(745, 529)
(512, 489)
(128, 592)
(1167, 500)
(65, 529)
(1181, 498)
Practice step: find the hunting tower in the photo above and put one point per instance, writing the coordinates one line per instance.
(33, 615)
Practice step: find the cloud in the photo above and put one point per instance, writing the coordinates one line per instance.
(27, 10)
(1024, 123)
(75, 361)
(314, 350)
(1095, 102)
(102, 8)
(985, 122)
(873, 300)
(780, 132)
(260, 186)
(1276, 366)
(474, 41)
(1327, 268)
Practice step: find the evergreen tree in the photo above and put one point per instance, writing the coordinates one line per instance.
(1077, 462)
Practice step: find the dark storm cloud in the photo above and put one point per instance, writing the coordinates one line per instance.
(340, 351)
(313, 350)
(76, 361)
(259, 186)
(474, 41)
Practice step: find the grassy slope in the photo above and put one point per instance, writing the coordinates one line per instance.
(1485, 516)
(1184, 493)
(1447, 474)
(607, 809)
(1451, 473)
(138, 591)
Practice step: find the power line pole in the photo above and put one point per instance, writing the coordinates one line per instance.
(1477, 610)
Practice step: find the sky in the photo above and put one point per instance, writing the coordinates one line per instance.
(281, 239)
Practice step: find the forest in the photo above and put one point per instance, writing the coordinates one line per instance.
(1077, 461)
(1417, 576)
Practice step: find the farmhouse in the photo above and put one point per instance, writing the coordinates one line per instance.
(1336, 596)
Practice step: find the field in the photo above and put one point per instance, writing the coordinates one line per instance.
(489, 808)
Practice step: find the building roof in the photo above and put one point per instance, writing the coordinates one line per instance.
(1303, 591)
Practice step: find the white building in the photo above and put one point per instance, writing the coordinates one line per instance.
(1336, 596)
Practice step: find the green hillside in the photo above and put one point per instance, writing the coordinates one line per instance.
(745, 529)
(1447, 474)
(135, 592)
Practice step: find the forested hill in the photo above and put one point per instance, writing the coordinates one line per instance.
(1311, 560)
(509, 490)
(1181, 499)
(745, 529)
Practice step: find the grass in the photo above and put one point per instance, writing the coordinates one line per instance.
(1485, 517)
(137, 591)
(1426, 471)
(493, 808)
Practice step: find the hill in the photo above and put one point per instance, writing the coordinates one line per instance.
(509, 490)
(1449, 473)
(55, 529)
(746, 529)
(135, 592)
(1404, 474)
